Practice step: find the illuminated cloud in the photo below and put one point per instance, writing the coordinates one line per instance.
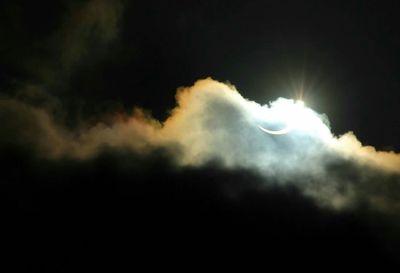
(212, 121)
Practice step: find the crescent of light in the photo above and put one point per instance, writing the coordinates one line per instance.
(276, 132)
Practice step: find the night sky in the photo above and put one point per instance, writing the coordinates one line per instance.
(129, 139)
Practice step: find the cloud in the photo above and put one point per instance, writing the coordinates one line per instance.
(80, 34)
(119, 200)
(213, 122)
(89, 26)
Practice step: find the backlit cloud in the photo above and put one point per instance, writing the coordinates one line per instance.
(212, 121)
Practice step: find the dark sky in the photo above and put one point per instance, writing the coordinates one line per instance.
(343, 54)
(81, 61)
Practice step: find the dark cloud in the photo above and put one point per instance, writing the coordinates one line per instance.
(45, 48)
(89, 27)
(122, 209)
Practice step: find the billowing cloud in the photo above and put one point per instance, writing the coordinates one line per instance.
(212, 121)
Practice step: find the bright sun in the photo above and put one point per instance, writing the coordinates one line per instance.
(292, 116)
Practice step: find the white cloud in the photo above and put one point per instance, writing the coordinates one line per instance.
(212, 121)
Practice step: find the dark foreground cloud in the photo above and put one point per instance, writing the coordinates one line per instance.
(125, 210)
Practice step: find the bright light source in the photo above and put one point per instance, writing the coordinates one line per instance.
(296, 117)
(300, 103)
